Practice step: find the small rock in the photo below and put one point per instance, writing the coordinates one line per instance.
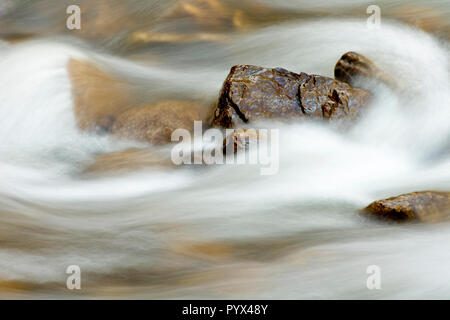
(353, 66)
(429, 206)
(239, 140)
(252, 93)
(155, 122)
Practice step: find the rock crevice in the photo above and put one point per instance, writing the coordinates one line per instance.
(251, 93)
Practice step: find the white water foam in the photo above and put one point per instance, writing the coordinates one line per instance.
(293, 235)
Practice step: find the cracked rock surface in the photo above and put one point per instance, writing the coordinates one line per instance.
(251, 93)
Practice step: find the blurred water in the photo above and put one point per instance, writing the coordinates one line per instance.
(226, 231)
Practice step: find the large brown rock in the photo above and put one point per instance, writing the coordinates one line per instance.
(426, 206)
(252, 93)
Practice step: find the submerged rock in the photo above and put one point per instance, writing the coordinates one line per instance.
(426, 206)
(240, 140)
(105, 103)
(128, 160)
(252, 93)
(155, 122)
(352, 67)
(98, 96)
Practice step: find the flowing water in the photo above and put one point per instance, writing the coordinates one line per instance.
(225, 231)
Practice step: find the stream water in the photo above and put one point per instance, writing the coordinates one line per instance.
(225, 231)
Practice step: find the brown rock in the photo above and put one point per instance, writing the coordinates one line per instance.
(154, 123)
(429, 206)
(353, 66)
(212, 15)
(98, 96)
(145, 37)
(252, 93)
(101, 101)
(108, 21)
(227, 16)
(207, 21)
(239, 140)
(128, 160)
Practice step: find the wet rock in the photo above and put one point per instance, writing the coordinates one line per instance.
(225, 17)
(155, 122)
(429, 206)
(207, 21)
(212, 15)
(102, 21)
(253, 93)
(240, 140)
(98, 96)
(109, 22)
(145, 37)
(353, 67)
(104, 103)
(105, 18)
(196, 20)
(128, 160)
